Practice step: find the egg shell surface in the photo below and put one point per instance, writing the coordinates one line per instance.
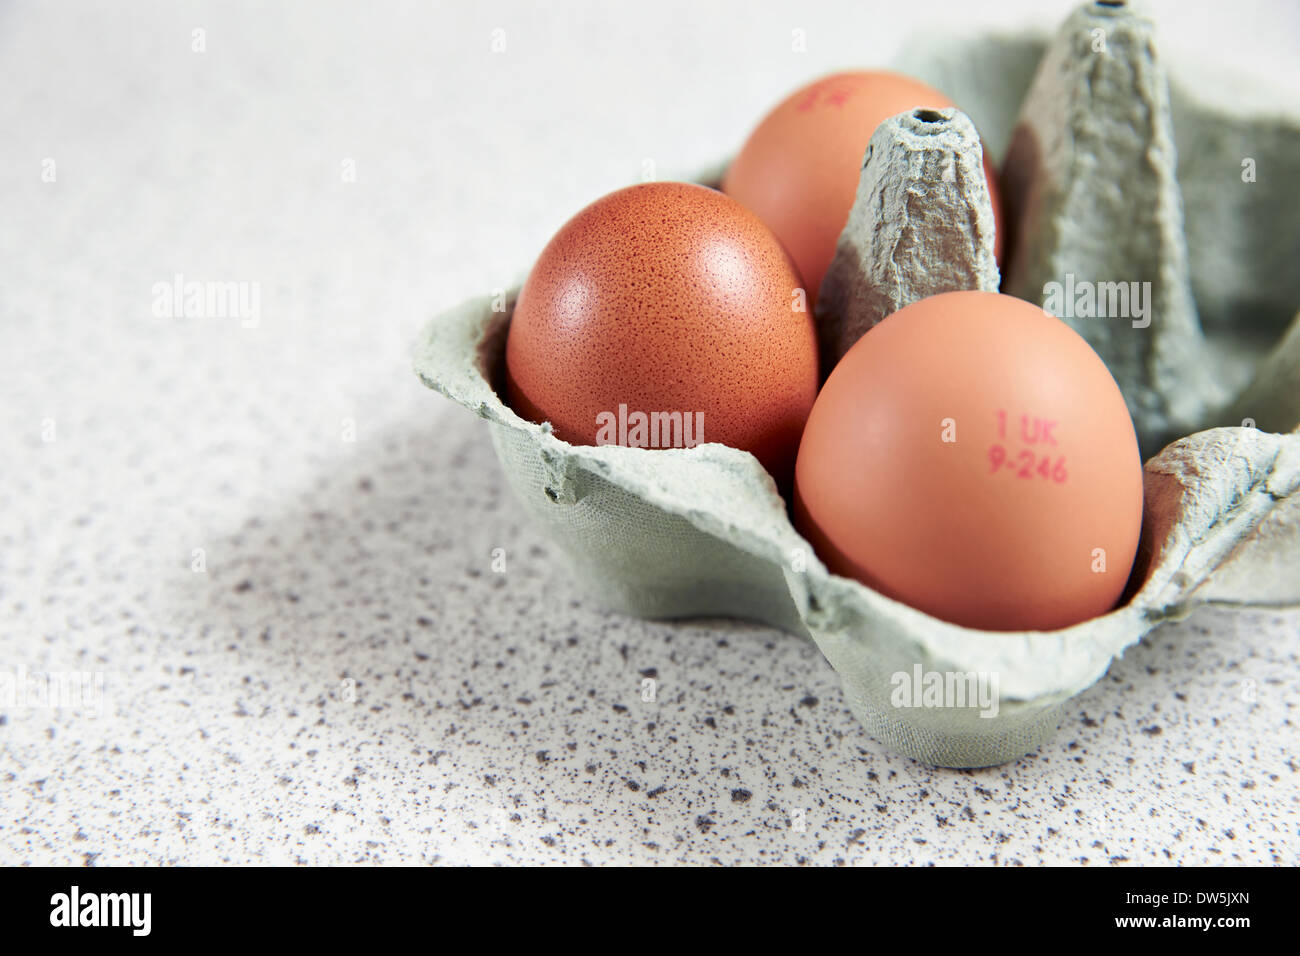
(665, 298)
(972, 456)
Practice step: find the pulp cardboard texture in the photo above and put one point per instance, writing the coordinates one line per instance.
(922, 223)
(1090, 177)
(703, 532)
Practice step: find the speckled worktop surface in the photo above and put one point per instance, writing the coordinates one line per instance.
(348, 679)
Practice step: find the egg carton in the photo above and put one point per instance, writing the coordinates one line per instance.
(688, 532)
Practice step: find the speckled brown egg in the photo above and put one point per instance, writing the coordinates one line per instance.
(666, 315)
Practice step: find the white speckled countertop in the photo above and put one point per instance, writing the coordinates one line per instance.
(347, 679)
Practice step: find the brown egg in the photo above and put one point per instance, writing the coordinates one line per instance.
(972, 456)
(799, 169)
(666, 299)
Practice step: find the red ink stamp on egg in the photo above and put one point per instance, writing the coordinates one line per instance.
(1023, 462)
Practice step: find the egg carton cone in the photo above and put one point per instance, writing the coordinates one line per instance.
(1097, 214)
(687, 532)
(921, 224)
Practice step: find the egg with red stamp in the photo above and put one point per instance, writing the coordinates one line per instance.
(973, 457)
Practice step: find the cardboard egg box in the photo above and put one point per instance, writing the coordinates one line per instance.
(1111, 174)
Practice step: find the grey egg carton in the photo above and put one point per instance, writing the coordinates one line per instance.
(673, 533)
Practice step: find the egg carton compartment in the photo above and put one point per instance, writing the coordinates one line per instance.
(671, 533)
